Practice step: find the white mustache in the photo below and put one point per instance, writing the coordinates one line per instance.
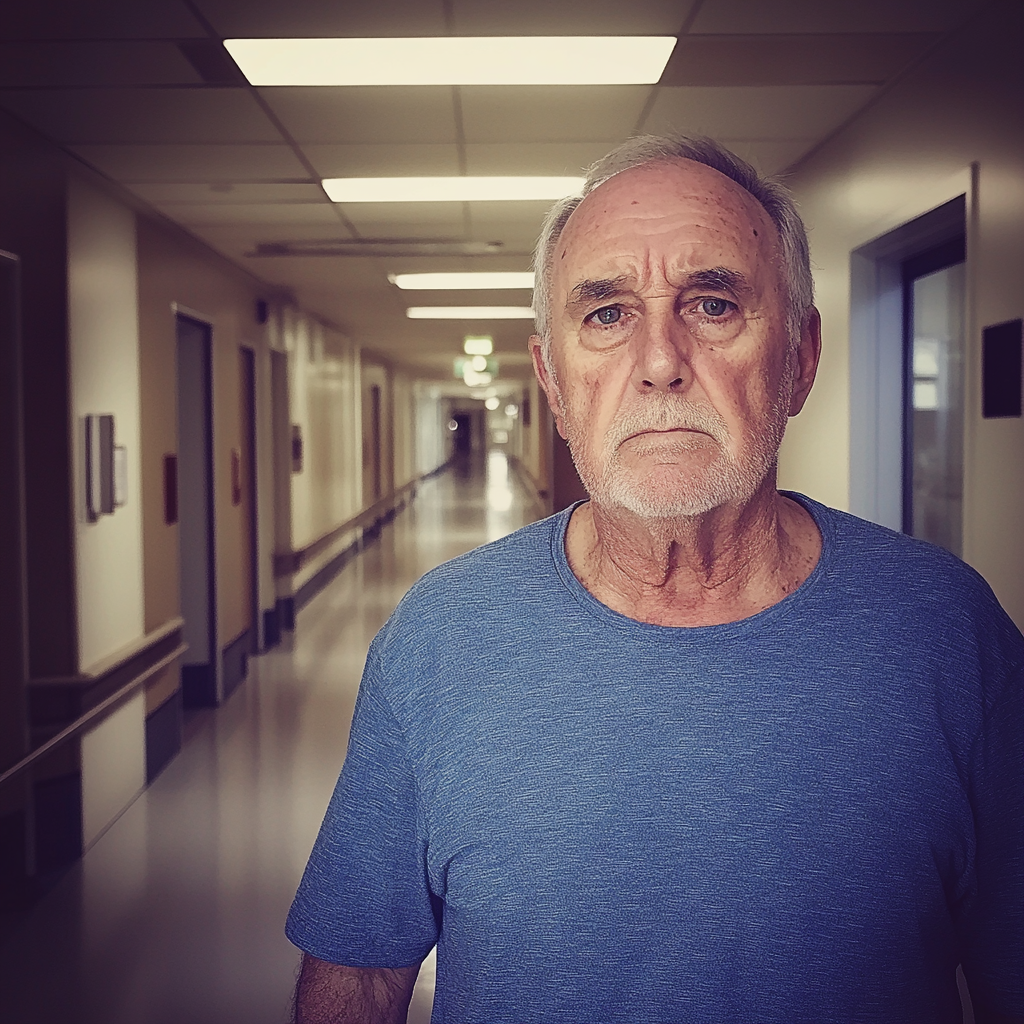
(666, 412)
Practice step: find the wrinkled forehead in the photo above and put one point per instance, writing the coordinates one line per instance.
(665, 210)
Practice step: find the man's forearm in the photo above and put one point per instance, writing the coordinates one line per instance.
(335, 994)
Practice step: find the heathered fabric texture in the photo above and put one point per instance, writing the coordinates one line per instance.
(809, 815)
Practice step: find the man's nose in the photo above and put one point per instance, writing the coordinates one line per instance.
(663, 354)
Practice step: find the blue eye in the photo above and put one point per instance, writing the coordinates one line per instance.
(714, 307)
(608, 315)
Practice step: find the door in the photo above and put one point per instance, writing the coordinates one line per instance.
(933, 400)
(248, 496)
(199, 676)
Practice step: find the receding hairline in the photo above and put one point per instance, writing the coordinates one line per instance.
(751, 205)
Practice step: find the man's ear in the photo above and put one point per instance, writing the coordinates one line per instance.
(546, 381)
(807, 354)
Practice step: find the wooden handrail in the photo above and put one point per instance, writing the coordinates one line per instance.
(98, 710)
(288, 562)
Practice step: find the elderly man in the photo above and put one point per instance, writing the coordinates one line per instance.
(694, 750)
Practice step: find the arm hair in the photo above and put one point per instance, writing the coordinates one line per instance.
(335, 994)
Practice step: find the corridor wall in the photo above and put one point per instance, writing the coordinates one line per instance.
(952, 124)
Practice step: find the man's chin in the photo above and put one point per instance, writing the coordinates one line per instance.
(662, 493)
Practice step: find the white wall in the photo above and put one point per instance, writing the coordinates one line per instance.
(113, 766)
(104, 344)
(432, 440)
(909, 152)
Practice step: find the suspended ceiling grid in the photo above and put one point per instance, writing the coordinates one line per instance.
(143, 91)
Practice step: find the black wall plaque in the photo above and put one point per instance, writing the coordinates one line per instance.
(1001, 370)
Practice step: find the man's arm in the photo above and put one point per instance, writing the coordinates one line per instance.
(335, 994)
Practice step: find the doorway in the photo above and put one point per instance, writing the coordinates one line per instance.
(933, 395)
(907, 376)
(200, 681)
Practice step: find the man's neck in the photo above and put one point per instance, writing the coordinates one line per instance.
(722, 566)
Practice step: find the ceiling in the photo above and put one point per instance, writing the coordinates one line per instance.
(143, 91)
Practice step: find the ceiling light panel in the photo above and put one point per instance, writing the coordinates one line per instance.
(448, 190)
(450, 60)
(469, 313)
(439, 282)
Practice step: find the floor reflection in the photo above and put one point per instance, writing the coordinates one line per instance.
(175, 916)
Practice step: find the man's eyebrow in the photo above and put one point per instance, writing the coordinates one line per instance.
(596, 291)
(719, 279)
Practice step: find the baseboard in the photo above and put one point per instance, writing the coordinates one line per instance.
(198, 686)
(235, 659)
(326, 573)
(163, 735)
(15, 885)
(286, 614)
(271, 628)
(58, 822)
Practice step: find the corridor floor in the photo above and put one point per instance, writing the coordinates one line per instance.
(176, 914)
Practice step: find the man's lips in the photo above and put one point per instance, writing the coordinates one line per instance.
(654, 431)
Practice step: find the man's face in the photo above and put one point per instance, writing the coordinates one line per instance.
(674, 375)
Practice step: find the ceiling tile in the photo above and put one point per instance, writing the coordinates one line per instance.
(555, 158)
(383, 160)
(517, 225)
(194, 163)
(98, 19)
(406, 220)
(771, 112)
(94, 64)
(595, 18)
(768, 156)
(801, 16)
(255, 214)
(353, 18)
(227, 192)
(143, 115)
(793, 60)
(579, 113)
(365, 114)
(243, 238)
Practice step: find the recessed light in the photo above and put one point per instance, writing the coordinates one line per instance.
(469, 313)
(477, 279)
(448, 190)
(450, 60)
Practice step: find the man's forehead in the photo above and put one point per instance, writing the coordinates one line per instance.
(648, 210)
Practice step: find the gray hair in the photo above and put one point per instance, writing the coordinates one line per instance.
(645, 149)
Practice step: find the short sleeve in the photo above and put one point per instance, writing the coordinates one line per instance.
(364, 899)
(992, 916)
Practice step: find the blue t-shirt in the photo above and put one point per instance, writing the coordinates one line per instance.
(810, 815)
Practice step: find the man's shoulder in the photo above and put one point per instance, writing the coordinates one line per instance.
(866, 558)
(488, 576)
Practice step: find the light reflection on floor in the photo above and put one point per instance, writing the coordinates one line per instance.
(175, 916)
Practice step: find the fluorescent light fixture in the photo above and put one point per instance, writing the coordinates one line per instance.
(469, 313)
(492, 403)
(448, 190)
(478, 345)
(485, 279)
(449, 60)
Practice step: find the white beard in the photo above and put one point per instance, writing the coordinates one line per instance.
(730, 477)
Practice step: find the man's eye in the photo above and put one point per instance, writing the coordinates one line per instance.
(715, 307)
(607, 315)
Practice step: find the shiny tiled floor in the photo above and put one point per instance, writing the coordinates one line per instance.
(175, 916)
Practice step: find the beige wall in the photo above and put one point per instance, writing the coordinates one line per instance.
(104, 350)
(905, 155)
(324, 404)
(174, 269)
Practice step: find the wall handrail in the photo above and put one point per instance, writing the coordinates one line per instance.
(95, 712)
(288, 562)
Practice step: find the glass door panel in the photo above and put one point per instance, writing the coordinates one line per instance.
(933, 457)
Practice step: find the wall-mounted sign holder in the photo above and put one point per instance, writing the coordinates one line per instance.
(99, 466)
